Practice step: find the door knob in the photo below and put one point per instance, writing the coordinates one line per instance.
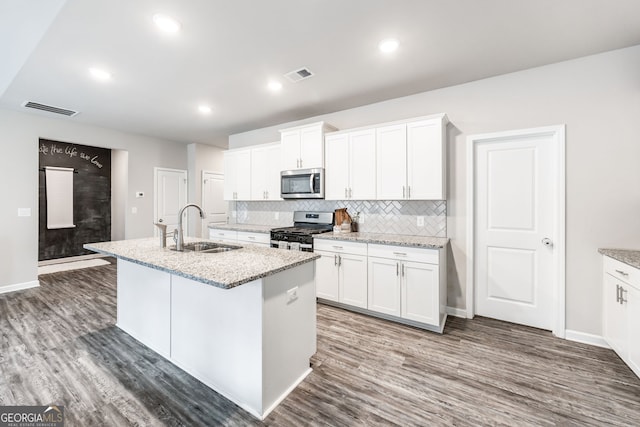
(547, 242)
(160, 220)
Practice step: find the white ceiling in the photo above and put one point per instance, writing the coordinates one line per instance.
(227, 51)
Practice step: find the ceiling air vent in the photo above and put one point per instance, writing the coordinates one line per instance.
(49, 108)
(297, 75)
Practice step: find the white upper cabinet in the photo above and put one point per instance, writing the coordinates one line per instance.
(426, 160)
(237, 174)
(350, 165)
(265, 172)
(303, 147)
(391, 162)
(411, 160)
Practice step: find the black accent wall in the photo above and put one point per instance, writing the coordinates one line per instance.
(91, 198)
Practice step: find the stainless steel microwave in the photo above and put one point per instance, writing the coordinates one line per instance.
(302, 184)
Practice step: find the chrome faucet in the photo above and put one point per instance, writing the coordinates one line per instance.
(179, 232)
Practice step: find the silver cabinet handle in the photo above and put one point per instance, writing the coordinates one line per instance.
(267, 193)
(404, 192)
(617, 293)
(335, 260)
(350, 194)
(339, 260)
(252, 237)
(400, 253)
(408, 192)
(397, 268)
(622, 299)
(622, 272)
(337, 247)
(345, 192)
(402, 270)
(300, 162)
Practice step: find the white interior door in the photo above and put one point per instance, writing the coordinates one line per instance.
(170, 196)
(516, 252)
(213, 200)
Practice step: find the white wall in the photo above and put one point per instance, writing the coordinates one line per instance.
(598, 98)
(200, 158)
(19, 173)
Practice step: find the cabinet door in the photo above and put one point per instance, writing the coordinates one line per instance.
(425, 160)
(272, 172)
(336, 180)
(353, 280)
(614, 319)
(362, 161)
(391, 162)
(230, 174)
(420, 292)
(327, 276)
(633, 311)
(259, 166)
(311, 148)
(243, 177)
(384, 286)
(290, 150)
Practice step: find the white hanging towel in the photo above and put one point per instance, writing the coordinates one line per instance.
(59, 186)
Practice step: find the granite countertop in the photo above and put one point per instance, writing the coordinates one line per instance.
(224, 270)
(388, 239)
(628, 256)
(251, 228)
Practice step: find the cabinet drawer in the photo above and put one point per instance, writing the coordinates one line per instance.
(340, 246)
(220, 234)
(622, 271)
(244, 236)
(404, 253)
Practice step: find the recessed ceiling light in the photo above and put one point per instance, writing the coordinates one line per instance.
(166, 23)
(274, 86)
(100, 74)
(204, 109)
(388, 45)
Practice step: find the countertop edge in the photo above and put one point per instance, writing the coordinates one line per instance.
(630, 257)
(391, 239)
(202, 279)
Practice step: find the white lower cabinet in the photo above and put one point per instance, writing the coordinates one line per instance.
(404, 284)
(341, 273)
(621, 309)
(240, 237)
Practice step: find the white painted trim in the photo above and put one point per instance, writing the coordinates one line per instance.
(19, 286)
(558, 132)
(456, 312)
(584, 338)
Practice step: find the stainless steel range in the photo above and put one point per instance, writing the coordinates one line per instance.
(300, 236)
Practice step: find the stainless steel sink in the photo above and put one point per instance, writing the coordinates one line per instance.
(207, 247)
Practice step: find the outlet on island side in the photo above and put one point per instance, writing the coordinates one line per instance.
(292, 295)
(420, 221)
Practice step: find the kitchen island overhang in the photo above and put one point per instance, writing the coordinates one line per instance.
(243, 322)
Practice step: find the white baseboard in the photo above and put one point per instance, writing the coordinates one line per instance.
(19, 286)
(457, 312)
(585, 338)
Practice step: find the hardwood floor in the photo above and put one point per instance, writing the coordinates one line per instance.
(59, 345)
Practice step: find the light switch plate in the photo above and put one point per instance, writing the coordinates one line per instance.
(420, 221)
(24, 211)
(292, 294)
(134, 210)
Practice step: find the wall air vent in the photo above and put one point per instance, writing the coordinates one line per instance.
(297, 75)
(49, 108)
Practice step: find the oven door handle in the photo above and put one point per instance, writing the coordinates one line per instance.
(311, 183)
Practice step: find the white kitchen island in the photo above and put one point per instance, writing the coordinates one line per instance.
(243, 322)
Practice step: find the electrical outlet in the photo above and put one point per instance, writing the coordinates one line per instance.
(420, 221)
(24, 211)
(276, 215)
(292, 295)
(134, 210)
(361, 218)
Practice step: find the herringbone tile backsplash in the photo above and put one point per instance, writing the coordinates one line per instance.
(388, 216)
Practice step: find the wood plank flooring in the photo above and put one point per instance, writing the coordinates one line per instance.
(59, 345)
